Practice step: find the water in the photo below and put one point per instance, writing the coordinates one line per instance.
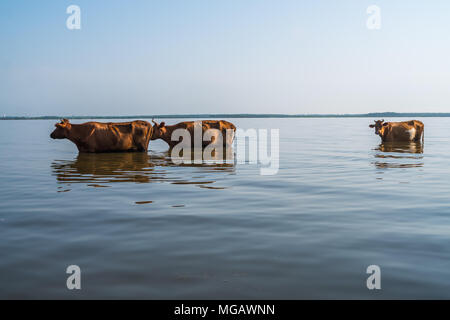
(140, 226)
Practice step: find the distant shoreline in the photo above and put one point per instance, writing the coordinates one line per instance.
(222, 115)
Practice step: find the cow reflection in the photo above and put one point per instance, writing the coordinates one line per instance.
(100, 169)
(399, 155)
(105, 167)
(221, 157)
(401, 147)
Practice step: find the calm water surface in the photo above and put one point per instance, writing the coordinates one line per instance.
(140, 226)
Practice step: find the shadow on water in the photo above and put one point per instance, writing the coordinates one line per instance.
(103, 169)
(399, 155)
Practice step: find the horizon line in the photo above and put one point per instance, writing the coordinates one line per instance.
(237, 115)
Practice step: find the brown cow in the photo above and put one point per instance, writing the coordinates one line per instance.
(399, 131)
(105, 137)
(161, 131)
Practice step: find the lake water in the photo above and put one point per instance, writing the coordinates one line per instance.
(140, 226)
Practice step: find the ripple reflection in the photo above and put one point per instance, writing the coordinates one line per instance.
(399, 155)
(102, 169)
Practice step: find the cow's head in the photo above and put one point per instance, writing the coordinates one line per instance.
(62, 130)
(379, 126)
(159, 130)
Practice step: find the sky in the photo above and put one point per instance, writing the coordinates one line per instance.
(223, 56)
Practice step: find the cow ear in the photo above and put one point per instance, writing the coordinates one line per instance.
(385, 124)
(162, 124)
(371, 126)
(58, 125)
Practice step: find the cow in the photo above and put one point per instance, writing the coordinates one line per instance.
(92, 137)
(161, 131)
(399, 131)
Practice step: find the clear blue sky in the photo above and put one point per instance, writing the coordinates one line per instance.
(228, 56)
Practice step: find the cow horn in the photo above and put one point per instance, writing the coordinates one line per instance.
(154, 122)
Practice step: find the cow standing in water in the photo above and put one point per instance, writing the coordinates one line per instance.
(399, 131)
(106, 137)
(213, 128)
